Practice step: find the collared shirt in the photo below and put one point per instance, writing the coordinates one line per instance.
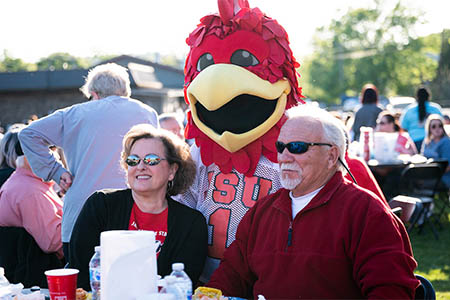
(91, 136)
(27, 201)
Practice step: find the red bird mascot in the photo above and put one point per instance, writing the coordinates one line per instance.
(240, 78)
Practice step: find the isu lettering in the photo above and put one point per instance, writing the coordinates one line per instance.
(225, 191)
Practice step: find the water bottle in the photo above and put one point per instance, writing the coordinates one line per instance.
(3, 281)
(95, 274)
(183, 279)
(171, 287)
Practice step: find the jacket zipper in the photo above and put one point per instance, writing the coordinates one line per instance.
(289, 241)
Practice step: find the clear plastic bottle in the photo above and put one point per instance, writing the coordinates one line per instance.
(183, 279)
(95, 274)
(172, 288)
(3, 280)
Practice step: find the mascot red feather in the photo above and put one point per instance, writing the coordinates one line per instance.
(240, 78)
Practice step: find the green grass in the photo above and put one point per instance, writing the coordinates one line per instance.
(433, 256)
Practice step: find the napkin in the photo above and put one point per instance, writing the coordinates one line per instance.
(128, 264)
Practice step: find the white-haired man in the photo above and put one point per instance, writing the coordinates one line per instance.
(91, 136)
(321, 236)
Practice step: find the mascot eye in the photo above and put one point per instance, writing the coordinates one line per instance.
(243, 58)
(204, 61)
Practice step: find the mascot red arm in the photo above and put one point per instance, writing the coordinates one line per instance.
(240, 78)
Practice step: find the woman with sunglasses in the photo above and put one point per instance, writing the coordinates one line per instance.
(437, 143)
(158, 165)
(386, 122)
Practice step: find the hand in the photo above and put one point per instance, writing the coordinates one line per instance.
(65, 181)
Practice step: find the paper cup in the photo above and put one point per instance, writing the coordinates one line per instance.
(62, 283)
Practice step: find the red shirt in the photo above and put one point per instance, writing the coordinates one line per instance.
(140, 220)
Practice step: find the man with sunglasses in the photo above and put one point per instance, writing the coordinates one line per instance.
(321, 236)
(91, 135)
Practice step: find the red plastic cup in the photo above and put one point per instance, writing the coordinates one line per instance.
(62, 283)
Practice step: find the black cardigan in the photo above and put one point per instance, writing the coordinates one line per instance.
(186, 239)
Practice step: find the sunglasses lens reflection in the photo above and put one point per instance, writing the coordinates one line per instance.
(132, 160)
(293, 147)
(297, 147)
(152, 160)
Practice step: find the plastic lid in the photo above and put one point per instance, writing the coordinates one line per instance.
(178, 266)
(2, 271)
(97, 248)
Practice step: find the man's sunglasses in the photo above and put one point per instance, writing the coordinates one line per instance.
(149, 159)
(297, 147)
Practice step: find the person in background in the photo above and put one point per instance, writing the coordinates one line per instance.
(90, 134)
(367, 114)
(446, 120)
(169, 121)
(358, 167)
(437, 143)
(414, 116)
(27, 201)
(321, 236)
(9, 151)
(158, 165)
(387, 123)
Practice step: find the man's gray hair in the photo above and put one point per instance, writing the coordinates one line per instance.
(333, 132)
(107, 80)
(168, 116)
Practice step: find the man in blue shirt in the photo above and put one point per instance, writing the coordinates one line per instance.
(90, 134)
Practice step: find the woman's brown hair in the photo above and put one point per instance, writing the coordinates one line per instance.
(176, 151)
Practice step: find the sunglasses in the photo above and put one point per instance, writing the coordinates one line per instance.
(434, 126)
(149, 160)
(382, 123)
(297, 147)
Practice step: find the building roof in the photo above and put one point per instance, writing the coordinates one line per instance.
(143, 74)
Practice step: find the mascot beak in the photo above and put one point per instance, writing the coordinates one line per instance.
(233, 106)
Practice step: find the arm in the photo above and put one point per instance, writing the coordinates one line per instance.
(364, 177)
(194, 249)
(404, 123)
(42, 219)
(383, 264)
(233, 277)
(35, 140)
(444, 152)
(85, 236)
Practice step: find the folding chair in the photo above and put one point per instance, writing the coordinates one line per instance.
(420, 181)
(425, 290)
(22, 258)
(442, 191)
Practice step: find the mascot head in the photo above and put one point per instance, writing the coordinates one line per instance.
(240, 78)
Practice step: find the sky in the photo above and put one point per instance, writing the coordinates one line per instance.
(31, 29)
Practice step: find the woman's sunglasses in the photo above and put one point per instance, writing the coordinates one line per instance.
(297, 147)
(149, 159)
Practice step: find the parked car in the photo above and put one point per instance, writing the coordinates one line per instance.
(398, 104)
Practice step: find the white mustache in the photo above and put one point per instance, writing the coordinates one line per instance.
(290, 166)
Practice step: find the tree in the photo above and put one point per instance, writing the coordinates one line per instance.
(10, 64)
(370, 45)
(441, 83)
(61, 61)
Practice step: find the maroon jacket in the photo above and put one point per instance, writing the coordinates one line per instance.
(344, 244)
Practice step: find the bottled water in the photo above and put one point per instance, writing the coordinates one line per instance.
(95, 274)
(172, 288)
(3, 280)
(183, 279)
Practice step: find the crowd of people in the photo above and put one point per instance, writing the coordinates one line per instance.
(113, 163)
